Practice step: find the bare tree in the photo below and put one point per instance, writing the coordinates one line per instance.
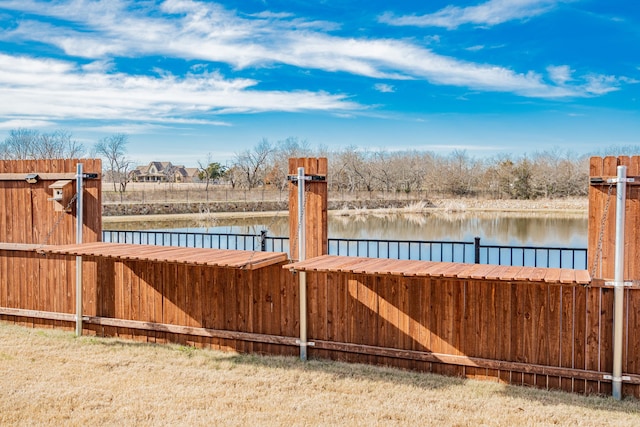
(410, 170)
(58, 144)
(19, 144)
(548, 174)
(357, 169)
(384, 173)
(114, 149)
(499, 176)
(279, 159)
(461, 173)
(30, 144)
(253, 163)
(234, 175)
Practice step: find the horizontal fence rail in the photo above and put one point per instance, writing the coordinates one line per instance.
(445, 251)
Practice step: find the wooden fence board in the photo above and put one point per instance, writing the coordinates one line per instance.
(631, 360)
(471, 331)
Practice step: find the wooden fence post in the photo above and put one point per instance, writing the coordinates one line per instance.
(602, 218)
(315, 208)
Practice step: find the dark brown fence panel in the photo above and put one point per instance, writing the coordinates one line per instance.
(540, 324)
(259, 301)
(28, 216)
(546, 335)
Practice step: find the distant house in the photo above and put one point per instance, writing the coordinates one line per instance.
(163, 172)
(182, 174)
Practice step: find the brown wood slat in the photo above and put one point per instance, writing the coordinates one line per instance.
(552, 275)
(466, 271)
(127, 253)
(349, 264)
(310, 265)
(191, 256)
(453, 269)
(567, 276)
(20, 247)
(525, 274)
(510, 273)
(421, 268)
(437, 269)
(408, 268)
(41, 176)
(537, 274)
(378, 267)
(496, 273)
(360, 266)
(482, 271)
(333, 263)
(403, 267)
(121, 252)
(426, 268)
(583, 277)
(375, 267)
(222, 259)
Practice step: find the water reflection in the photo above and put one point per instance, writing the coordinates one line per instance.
(493, 228)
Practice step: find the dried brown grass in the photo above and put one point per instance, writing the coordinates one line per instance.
(50, 377)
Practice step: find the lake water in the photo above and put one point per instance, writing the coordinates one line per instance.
(398, 236)
(512, 229)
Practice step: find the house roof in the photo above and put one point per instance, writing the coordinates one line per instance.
(163, 168)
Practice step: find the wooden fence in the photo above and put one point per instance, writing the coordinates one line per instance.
(529, 326)
(540, 327)
(549, 328)
(28, 216)
(602, 217)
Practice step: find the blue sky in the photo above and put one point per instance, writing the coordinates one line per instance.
(188, 78)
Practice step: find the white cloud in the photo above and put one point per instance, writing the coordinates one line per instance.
(490, 13)
(98, 66)
(56, 90)
(24, 123)
(201, 31)
(600, 84)
(384, 88)
(560, 74)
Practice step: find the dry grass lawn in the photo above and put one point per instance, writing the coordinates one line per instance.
(49, 377)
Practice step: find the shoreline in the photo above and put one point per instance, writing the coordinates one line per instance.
(571, 207)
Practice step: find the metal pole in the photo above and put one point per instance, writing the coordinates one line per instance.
(79, 224)
(263, 240)
(301, 257)
(618, 283)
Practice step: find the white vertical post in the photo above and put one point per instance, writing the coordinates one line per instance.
(79, 224)
(618, 283)
(301, 257)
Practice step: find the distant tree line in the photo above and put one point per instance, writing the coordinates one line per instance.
(30, 144)
(24, 144)
(547, 174)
